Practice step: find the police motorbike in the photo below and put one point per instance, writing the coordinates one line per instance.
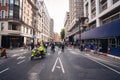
(37, 54)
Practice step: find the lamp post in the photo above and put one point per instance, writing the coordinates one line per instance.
(80, 29)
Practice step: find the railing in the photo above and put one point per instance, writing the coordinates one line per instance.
(103, 7)
(114, 1)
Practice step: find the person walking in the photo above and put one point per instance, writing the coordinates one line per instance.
(3, 52)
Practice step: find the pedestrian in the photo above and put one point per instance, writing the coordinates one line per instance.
(62, 46)
(32, 46)
(3, 52)
(81, 47)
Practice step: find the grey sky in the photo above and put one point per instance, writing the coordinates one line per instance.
(57, 10)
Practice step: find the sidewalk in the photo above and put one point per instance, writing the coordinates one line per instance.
(15, 50)
(104, 54)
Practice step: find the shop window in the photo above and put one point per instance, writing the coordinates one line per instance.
(118, 42)
(112, 42)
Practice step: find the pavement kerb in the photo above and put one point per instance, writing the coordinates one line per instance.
(113, 56)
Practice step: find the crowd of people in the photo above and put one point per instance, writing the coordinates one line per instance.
(81, 47)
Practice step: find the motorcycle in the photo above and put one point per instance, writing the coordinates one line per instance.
(37, 54)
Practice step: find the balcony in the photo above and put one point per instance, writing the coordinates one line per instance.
(33, 3)
(103, 6)
(15, 32)
(114, 1)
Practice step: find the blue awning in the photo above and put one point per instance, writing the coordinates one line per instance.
(108, 30)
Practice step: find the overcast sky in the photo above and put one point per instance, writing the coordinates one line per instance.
(57, 10)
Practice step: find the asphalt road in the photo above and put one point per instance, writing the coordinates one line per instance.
(68, 65)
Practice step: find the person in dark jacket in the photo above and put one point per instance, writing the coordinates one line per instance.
(32, 46)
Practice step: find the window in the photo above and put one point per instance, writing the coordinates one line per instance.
(118, 42)
(16, 2)
(11, 14)
(23, 29)
(112, 42)
(14, 27)
(30, 31)
(2, 26)
(3, 13)
(27, 30)
(24, 19)
(3, 2)
(103, 5)
(27, 21)
(11, 2)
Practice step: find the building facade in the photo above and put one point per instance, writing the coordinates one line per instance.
(66, 25)
(51, 30)
(76, 12)
(11, 23)
(103, 29)
(45, 22)
(21, 23)
(57, 37)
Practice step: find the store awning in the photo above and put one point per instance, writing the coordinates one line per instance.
(108, 30)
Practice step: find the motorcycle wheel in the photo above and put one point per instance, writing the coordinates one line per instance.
(32, 57)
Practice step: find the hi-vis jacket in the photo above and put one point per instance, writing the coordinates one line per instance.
(41, 48)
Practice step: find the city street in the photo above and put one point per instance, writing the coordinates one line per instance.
(68, 65)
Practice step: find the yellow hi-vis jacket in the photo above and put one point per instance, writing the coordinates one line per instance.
(41, 48)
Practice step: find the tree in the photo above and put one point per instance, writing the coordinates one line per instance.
(62, 33)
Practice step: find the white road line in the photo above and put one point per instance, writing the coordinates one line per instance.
(54, 65)
(4, 70)
(21, 57)
(21, 62)
(103, 65)
(59, 52)
(106, 66)
(48, 53)
(102, 60)
(61, 65)
(33, 76)
(18, 54)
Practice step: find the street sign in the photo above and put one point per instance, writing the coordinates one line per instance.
(33, 36)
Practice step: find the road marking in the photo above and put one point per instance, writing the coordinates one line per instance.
(21, 62)
(14, 55)
(21, 57)
(22, 50)
(54, 65)
(106, 66)
(58, 67)
(59, 52)
(102, 60)
(102, 64)
(18, 54)
(33, 76)
(48, 53)
(4, 70)
(61, 65)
